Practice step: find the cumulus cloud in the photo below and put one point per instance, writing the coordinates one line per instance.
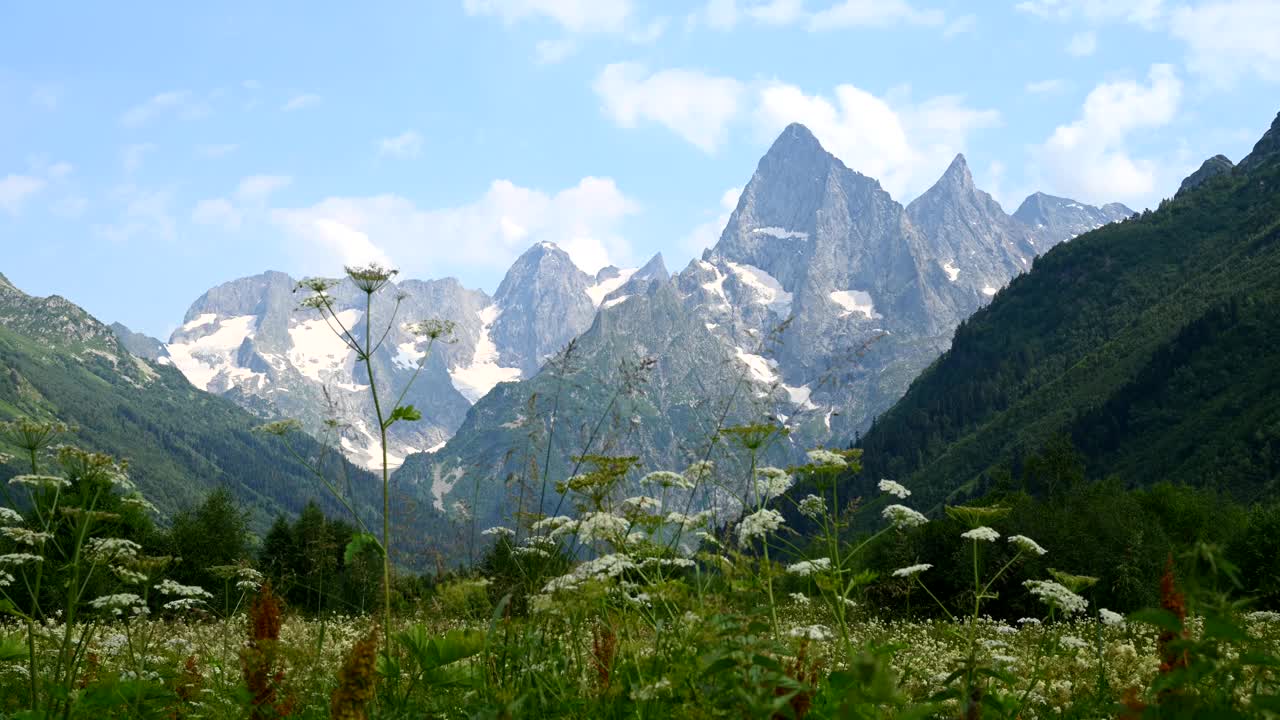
(904, 145)
(407, 144)
(572, 15)
(15, 190)
(1230, 40)
(1144, 12)
(1090, 159)
(487, 234)
(250, 196)
(694, 105)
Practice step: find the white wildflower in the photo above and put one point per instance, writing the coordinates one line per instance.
(901, 516)
(1072, 641)
(667, 479)
(139, 502)
(1109, 617)
(9, 516)
(981, 533)
(40, 482)
(688, 522)
(826, 458)
(23, 536)
(556, 526)
(817, 633)
(6, 579)
(108, 549)
(1004, 659)
(1263, 616)
(499, 530)
(128, 576)
(1028, 621)
(21, 558)
(800, 598)
(813, 507)
(911, 570)
(171, 587)
(806, 568)
(699, 471)
(1057, 595)
(758, 525)
(118, 603)
(642, 503)
(601, 526)
(1027, 544)
(248, 579)
(990, 644)
(186, 603)
(772, 482)
(893, 488)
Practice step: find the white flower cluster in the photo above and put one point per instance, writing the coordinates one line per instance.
(642, 503)
(1057, 595)
(499, 531)
(9, 516)
(911, 570)
(699, 471)
(40, 482)
(813, 507)
(826, 458)
(19, 559)
(805, 568)
(601, 526)
(556, 526)
(1109, 617)
(120, 602)
(1027, 544)
(981, 533)
(893, 488)
(901, 516)
(1263, 616)
(605, 566)
(248, 579)
(800, 598)
(772, 482)
(6, 579)
(108, 549)
(688, 522)
(817, 633)
(172, 587)
(23, 536)
(758, 525)
(1073, 642)
(667, 479)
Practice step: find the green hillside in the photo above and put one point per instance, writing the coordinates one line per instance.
(58, 362)
(1152, 345)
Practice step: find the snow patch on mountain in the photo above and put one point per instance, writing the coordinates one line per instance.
(615, 301)
(320, 355)
(800, 396)
(781, 234)
(988, 291)
(600, 290)
(952, 271)
(760, 367)
(203, 319)
(205, 358)
(854, 301)
(768, 291)
(475, 380)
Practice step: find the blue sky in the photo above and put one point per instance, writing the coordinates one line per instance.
(151, 150)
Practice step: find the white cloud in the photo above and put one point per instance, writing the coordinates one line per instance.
(572, 15)
(721, 14)
(300, 101)
(407, 144)
(1231, 39)
(132, 156)
(707, 234)
(1089, 159)
(873, 13)
(777, 12)
(47, 97)
(694, 105)
(72, 206)
(650, 33)
(15, 190)
(551, 52)
(904, 145)
(216, 151)
(1044, 87)
(488, 233)
(143, 213)
(1143, 12)
(257, 188)
(181, 102)
(1082, 44)
(59, 170)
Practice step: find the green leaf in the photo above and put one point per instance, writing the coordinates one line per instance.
(1162, 619)
(1223, 629)
(13, 648)
(358, 543)
(403, 412)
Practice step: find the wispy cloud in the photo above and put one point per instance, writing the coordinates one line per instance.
(16, 190)
(407, 144)
(572, 15)
(1082, 44)
(133, 156)
(300, 101)
(1045, 87)
(181, 102)
(216, 150)
(693, 104)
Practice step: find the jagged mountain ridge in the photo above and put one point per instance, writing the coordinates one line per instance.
(865, 298)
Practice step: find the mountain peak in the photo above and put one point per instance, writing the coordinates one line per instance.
(1267, 148)
(795, 140)
(1214, 166)
(653, 270)
(958, 171)
(5, 281)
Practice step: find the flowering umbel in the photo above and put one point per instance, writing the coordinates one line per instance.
(371, 278)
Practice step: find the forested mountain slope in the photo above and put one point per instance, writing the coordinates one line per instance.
(58, 362)
(1152, 345)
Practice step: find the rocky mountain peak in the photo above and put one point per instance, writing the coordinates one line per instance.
(1211, 168)
(957, 175)
(542, 263)
(4, 281)
(1266, 149)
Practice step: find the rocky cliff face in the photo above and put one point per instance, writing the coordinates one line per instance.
(1209, 169)
(1058, 219)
